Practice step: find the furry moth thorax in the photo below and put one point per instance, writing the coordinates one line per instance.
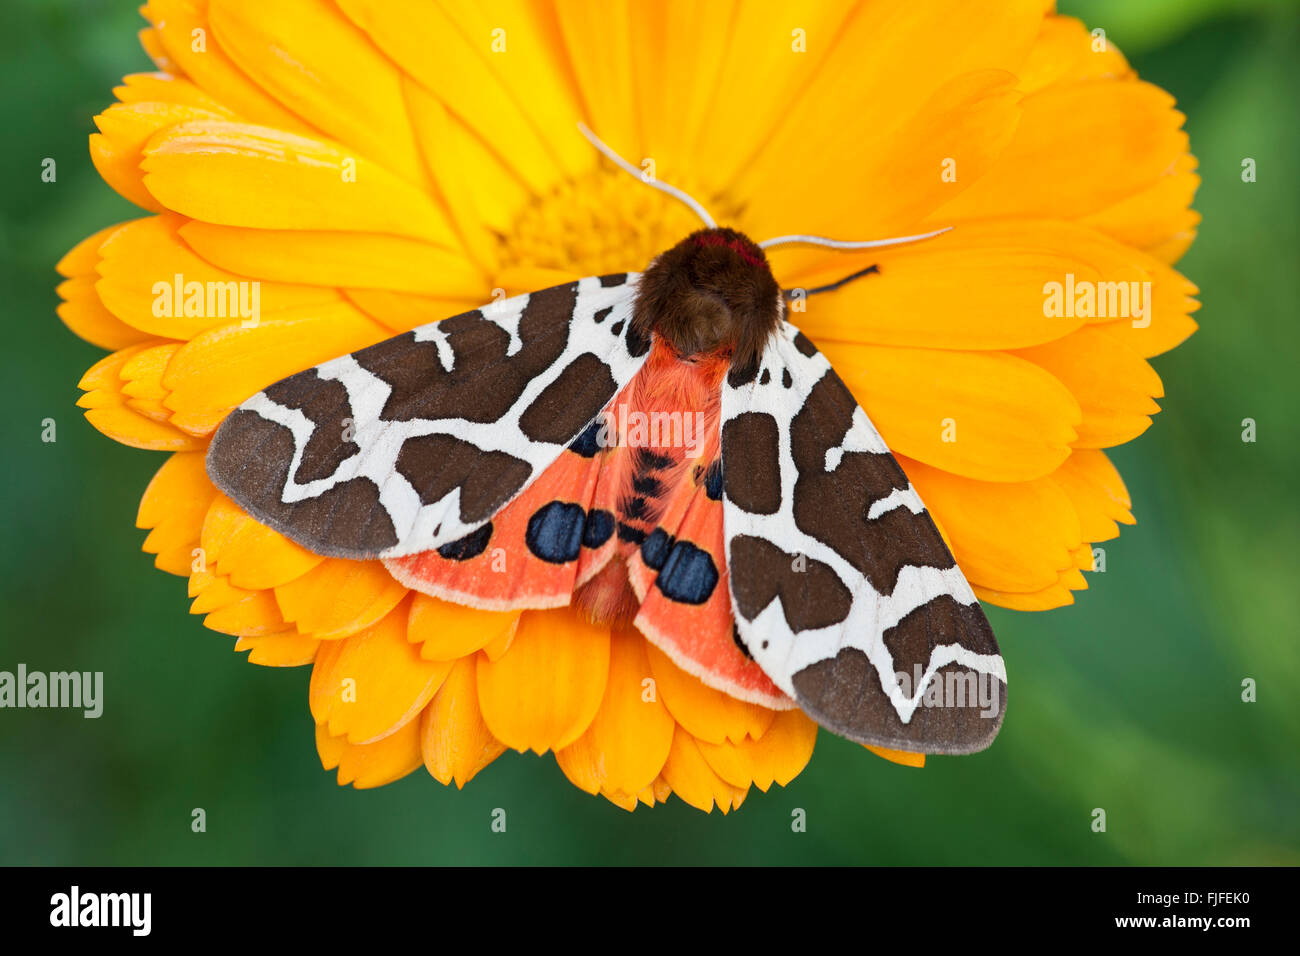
(712, 292)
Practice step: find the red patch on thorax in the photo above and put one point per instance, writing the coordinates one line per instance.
(737, 246)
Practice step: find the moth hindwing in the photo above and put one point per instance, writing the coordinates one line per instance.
(417, 441)
(842, 587)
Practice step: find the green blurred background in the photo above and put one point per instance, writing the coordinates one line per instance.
(1130, 700)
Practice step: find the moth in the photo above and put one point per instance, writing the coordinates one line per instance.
(664, 450)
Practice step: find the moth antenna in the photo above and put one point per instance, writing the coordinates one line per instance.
(845, 244)
(628, 168)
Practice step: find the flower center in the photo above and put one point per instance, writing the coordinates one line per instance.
(603, 221)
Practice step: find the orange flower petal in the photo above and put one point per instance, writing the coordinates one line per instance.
(141, 375)
(1109, 140)
(455, 741)
(1170, 321)
(1005, 536)
(401, 311)
(82, 258)
(464, 77)
(545, 691)
(1097, 492)
(692, 779)
(222, 367)
(354, 259)
(979, 286)
(139, 269)
(173, 508)
(1115, 387)
(338, 598)
(962, 129)
(176, 23)
(709, 715)
(1157, 219)
(330, 74)
(285, 649)
(368, 685)
(166, 88)
(233, 610)
(251, 554)
(628, 740)
(985, 415)
(124, 129)
(446, 631)
(371, 764)
(151, 43)
(1045, 599)
(1064, 52)
(478, 192)
(781, 754)
(255, 616)
(236, 174)
(902, 757)
(842, 124)
(106, 408)
(211, 591)
(496, 648)
(82, 312)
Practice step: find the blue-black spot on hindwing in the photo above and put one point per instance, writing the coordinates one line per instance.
(654, 550)
(713, 480)
(470, 546)
(689, 575)
(555, 531)
(588, 443)
(597, 528)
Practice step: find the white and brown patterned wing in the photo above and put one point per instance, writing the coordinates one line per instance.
(419, 440)
(839, 579)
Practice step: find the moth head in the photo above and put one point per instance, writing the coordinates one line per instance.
(712, 292)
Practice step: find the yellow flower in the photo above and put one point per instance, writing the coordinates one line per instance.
(373, 164)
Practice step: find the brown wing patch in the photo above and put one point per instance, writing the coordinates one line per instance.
(570, 402)
(484, 380)
(812, 594)
(751, 449)
(961, 709)
(264, 451)
(436, 464)
(832, 506)
(322, 401)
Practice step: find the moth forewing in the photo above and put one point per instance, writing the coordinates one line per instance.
(843, 590)
(417, 441)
